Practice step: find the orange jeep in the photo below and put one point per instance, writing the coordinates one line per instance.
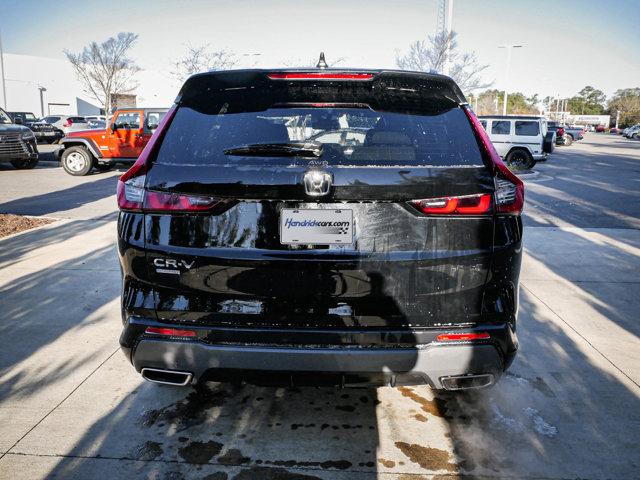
(122, 141)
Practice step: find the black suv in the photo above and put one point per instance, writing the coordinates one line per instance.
(44, 132)
(320, 226)
(17, 143)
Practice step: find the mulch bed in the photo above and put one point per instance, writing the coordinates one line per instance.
(10, 224)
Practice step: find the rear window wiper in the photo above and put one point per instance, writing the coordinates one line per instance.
(291, 149)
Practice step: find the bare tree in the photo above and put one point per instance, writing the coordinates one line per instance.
(432, 56)
(201, 58)
(105, 69)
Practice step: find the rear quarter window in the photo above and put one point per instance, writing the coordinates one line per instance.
(527, 128)
(501, 127)
(349, 136)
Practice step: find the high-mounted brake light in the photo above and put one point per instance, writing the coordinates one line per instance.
(170, 332)
(319, 76)
(509, 188)
(462, 337)
(465, 205)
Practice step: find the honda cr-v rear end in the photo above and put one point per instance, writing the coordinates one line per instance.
(350, 227)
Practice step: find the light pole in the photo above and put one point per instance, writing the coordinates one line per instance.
(506, 75)
(42, 90)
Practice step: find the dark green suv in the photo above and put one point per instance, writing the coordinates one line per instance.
(17, 143)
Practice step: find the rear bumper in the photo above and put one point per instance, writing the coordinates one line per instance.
(371, 366)
(422, 363)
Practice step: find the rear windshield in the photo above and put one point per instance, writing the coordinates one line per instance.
(348, 135)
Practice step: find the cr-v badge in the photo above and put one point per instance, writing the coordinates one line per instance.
(317, 183)
(168, 265)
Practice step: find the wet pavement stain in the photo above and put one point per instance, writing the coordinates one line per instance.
(327, 465)
(435, 407)
(346, 408)
(387, 463)
(187, 413)
(267, 473)
(427, 457)
(420, 417)
(233, 458)
(149, 451)
(200, 452)
(216, 476)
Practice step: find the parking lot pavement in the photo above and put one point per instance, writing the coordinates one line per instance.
(72, 406)
(49, 190)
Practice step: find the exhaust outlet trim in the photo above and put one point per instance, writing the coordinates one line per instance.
(167, 377)
(467, 382)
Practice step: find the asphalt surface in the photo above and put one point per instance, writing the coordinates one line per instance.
(72, 407)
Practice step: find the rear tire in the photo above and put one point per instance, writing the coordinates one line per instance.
(25, 164)
(519, 159)
(549, 142)
(76, 161)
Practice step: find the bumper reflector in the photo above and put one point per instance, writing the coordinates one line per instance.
(462, 337)
(170, 332)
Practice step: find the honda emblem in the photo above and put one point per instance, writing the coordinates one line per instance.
(317, 183)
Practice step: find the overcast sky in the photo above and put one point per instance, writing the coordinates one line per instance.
(567, 44)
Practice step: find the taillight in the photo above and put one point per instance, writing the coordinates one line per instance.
(462, 337)
(170, 332)
(68, 123)
(130, 189)
(560, 132)
(158, 201)
(463, 205)
(319, 76)
(509, 191)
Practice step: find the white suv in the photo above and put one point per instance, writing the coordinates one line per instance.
(520, 140)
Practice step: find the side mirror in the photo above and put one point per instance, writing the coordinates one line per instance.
(113, 127)
(18, 121)
(153, 126)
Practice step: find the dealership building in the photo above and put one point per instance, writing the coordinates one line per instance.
(47, 86)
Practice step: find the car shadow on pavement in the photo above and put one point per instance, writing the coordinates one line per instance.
(546, 418)
(64, 200)
(586, 190)
(42, 306)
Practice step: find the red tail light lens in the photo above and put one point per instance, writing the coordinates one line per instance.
(68, 123)
(509, 188)
(170, 332)
(319, 76)
(465, 205)
(462, 337)
(157, 201)
(560, 132)
(130, 189)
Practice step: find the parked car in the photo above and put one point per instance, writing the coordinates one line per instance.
(561, 137)
(97, 124)
(615, 131)
(67, 123)
(17, 143)
(576, 132)
(44, 132)
(600, 129)
(520, 140)
(631, 132)
(121, 141)
(251, 253)
(101, 118)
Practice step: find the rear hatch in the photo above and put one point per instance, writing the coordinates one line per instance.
(295, 200)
